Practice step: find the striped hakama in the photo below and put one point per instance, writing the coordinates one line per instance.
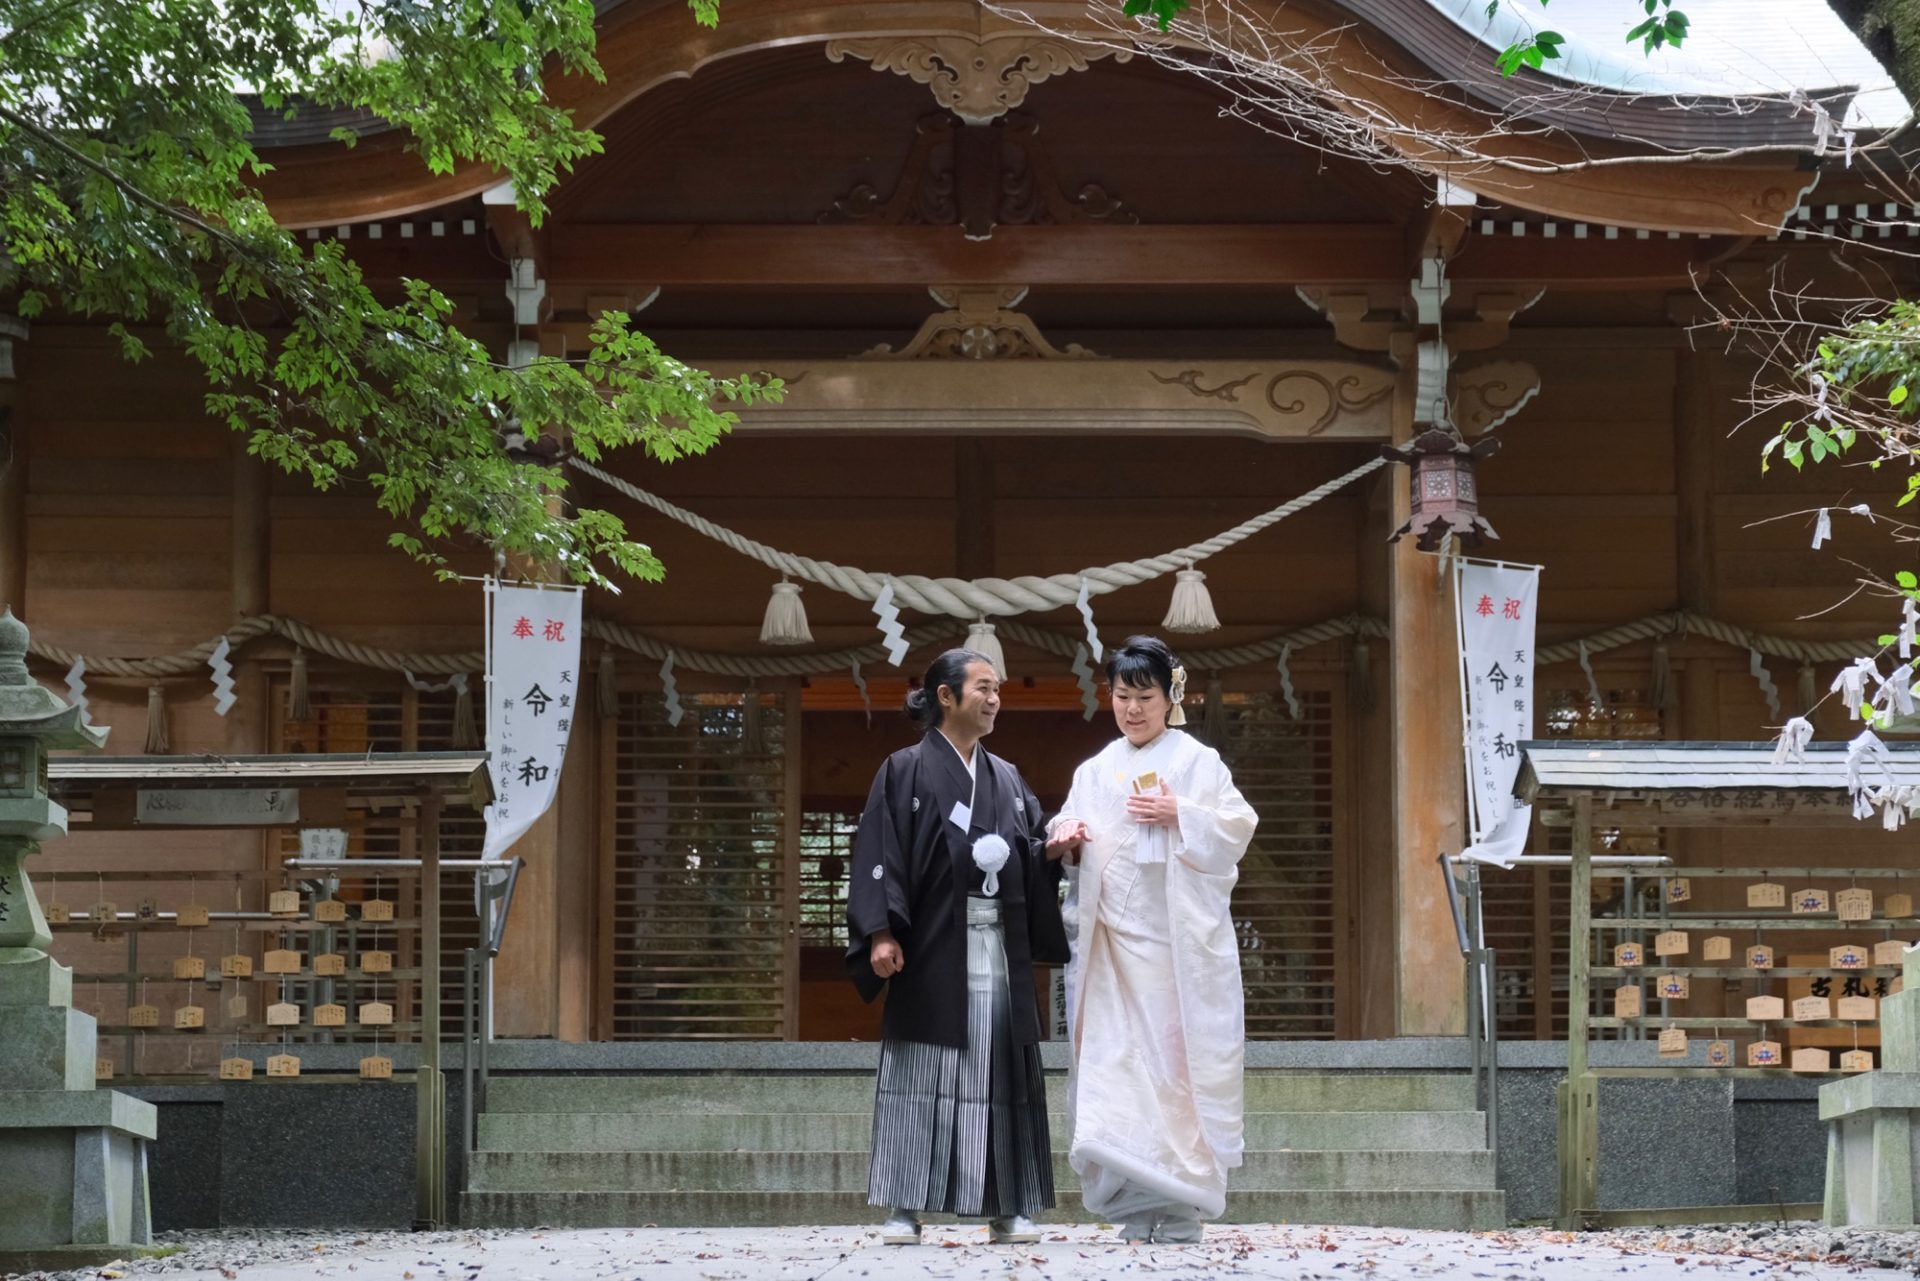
(964, 1131)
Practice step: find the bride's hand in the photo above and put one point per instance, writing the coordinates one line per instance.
(1156, 809)
(1066, 842)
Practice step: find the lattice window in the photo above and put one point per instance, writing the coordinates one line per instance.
(826, 852)
(699, 914)
(1284, 903)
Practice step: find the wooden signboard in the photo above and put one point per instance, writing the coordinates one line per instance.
(58, 914)
(189, 967)
(1626, 1002)
(281, 961)
(376, 1067)
(105, 912)
(1670, 943)
(1857, 1061)
(144, 1016)
(329, 965)
(1673, 987)
(1896, 905)
(1763, 1054)
(1811, 902)
(1716, 947)
(330, 910)
(1679, 889)
(283, 1014)
(1766, 894)
(192, 917)
(103, 1069)
(1858, 1009)
(1673, 1043)
(1764, 1009)
(236, 966)
(284, 904)
(1627, 955)
(1720, 1054)
(1848, 956)
(376, 1014)
(236, 1069)
(1810, 1059)
(1759, 957)
(376, 962)
(329, 1016)
(189, 1018)
(1854, 904)
(1890, 952)
(1806, 1009)
(283, 1065)
(377, 909)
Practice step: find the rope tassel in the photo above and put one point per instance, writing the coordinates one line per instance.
(606, 694)
(786, 618)
(1360, 676)
(466, 732)
(1662, 692)
(982, 641)
(157, 744)
(299, 700)
(1191, 609)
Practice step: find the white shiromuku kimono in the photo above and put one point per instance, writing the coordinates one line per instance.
(1154, 1006)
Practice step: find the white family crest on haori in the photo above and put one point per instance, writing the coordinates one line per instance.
(1497, 608)
(533, 694)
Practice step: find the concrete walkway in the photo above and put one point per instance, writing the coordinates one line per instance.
(959, 1253)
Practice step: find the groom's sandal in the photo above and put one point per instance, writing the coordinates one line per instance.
(1014, 1229)
(901, 1228)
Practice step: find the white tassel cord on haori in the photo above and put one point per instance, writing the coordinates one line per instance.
(990, 854)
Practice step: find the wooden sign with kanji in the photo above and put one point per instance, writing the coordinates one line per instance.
(236, 965)
(236, 1069)
(329, 965)
(1857, 1061)
(1674, 987)
(1759, 957)
(376, 962)
(284, 904)
(1679, 889)
(376, 909)
(1766, 894)
(1627, 955)
(281, 961)
(1849, 956)
(1811, 1059)
(1673, 1043)
(189, 1017)
(1720, 1054)
(1716, 947)
(1897, 905)
(376, 1067)
(1763, 1009)
(103, 1069)
(192, 917)
(1763, 1054)
(189, 967)
(1811, 902)
(329, 910)
(283, 1065)
(1670, 943)
(1890, 952)
(1856, 1009)
(1626, 1002)
(1808, 1008)
(376, 1014)
(144, 1016)
(283, 1014)
(1854, 904)
(329, 1016)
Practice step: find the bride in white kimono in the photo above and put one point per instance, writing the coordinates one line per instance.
(1155, 1011)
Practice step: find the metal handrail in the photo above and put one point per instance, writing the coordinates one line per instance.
(493, 886)
(1483, 1032)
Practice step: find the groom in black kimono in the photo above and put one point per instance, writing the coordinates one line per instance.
(954, 897)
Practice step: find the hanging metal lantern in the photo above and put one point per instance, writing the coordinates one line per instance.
(1446, 502)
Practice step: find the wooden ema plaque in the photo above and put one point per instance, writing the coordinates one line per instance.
(1670, 943)
(1673, 1043)
(1764, 1009)
(193, 916)
(283, 1065)
(1716, 947)
(1811, 902)
(1848, 956)
(189, 967)
(283, 1014)
(1627, 955)
(1811, 1059)
(103, 914)
(376, 962)
(144, 1016)
(329, 965)
(1890, 952)
(284, 904)
(1856, 1009)
(189, 1018)
(1857, 1061)
(1626, 1002)
(1720, 1054)
(1809, 1008)
(1759, 957)
(377, 909)
(237, 1007)
(147, 909)
(1679, 890)
(281, 961)
(1763, 1054)
(58, 914)
(236, 1069)
(1896, 905)
(1766, 894)
(1673, 987)
(330, 910)
(103, 1069)
(236, 966)
(376, 1014)
(376, 1067)
(329, 1016)
(1854, 904)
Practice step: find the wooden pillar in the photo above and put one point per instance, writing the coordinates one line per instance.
(525, 976)
(577, 865)
(1372, 911)
(1429, 772)
(249, 723)
(1694, 431)
(13, 489)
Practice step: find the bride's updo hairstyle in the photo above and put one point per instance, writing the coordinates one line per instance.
(1141, 662)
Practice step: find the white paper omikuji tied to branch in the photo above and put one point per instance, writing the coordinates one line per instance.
(1497, 610)
(533, 694)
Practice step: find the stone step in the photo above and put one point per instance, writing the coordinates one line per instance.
(847, 1171)
(716, 1092)
(1477, 1210)
(853, 1131)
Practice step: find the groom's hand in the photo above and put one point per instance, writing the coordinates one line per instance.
(886, 956)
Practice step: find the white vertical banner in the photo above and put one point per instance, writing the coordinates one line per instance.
(1497, 608)
(533, 692)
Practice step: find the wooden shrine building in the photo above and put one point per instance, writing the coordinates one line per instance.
(1038, 306)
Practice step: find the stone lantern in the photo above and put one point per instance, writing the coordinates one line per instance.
(73, 1158)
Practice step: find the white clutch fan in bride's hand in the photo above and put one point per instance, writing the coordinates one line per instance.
(990, 854)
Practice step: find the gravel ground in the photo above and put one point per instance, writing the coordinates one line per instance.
(1801, 1251)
